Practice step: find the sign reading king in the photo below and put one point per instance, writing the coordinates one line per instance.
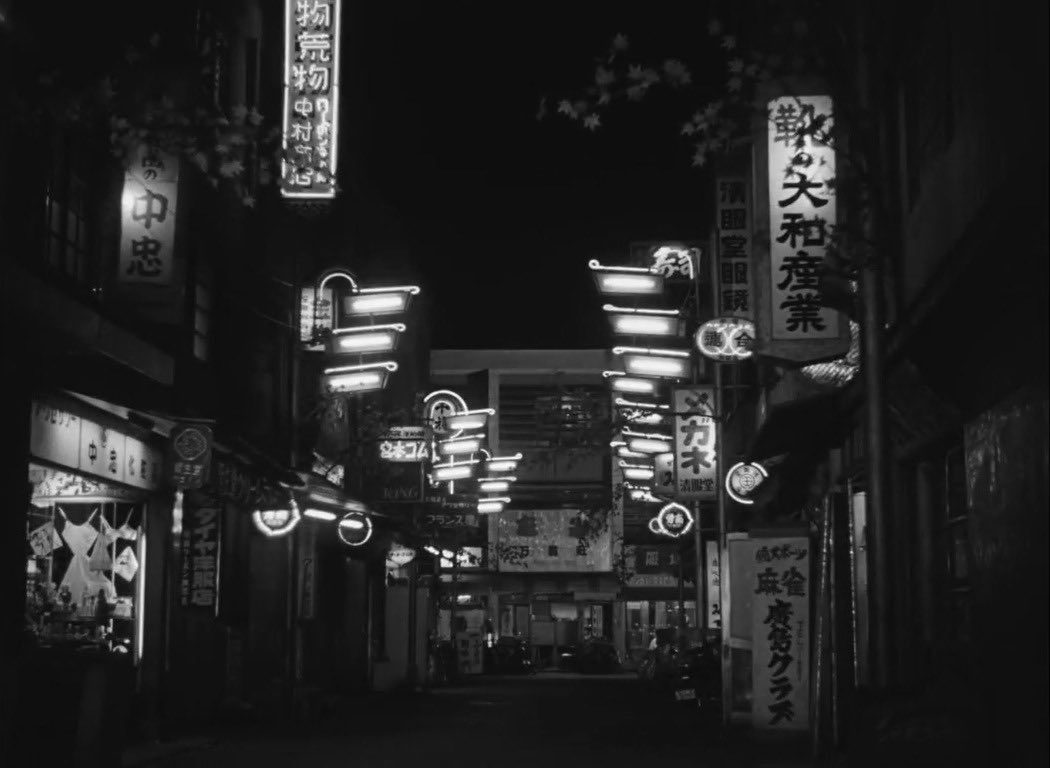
(311, 98)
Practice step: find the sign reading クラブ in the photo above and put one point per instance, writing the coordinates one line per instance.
(734, 247)
(147, 218)
(780, 633)
(801, 216)
(311, 98)
(696, 459)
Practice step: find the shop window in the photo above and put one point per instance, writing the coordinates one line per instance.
(84, 571)
(66, 227)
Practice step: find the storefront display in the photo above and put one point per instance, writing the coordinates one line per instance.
(85, 546)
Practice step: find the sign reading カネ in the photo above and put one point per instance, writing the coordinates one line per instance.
(696, 460)
(780, 633)
(147, 225)
(734, 247)
(311, 98)
(191, 455)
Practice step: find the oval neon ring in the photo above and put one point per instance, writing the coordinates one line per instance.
(742, 479)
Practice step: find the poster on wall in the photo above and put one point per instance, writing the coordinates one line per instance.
(780, 633)
(695, 456)
(147, 223)
(543, 540)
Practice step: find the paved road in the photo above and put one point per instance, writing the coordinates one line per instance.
(542, 721)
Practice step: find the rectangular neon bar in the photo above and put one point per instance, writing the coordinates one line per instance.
(375, 303)
(455, 447)
(457, 472)
(615, 284)
(653, 365)
(647, 445)
(644, 325)
(320, 514)
(467, 421)
(638, 473)
(489, 507)
(493, 486)
(376, 338)
(626, 453)
(634, 385)
(364, 381)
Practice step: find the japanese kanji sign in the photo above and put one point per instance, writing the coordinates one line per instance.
(200, 557)
(713, 577)
(311, 98)
(780, 633)
(550, 540)
(801, 216)
(733, 240)
(147, 222)
(695, 451)
(191, 455)
(404, 444)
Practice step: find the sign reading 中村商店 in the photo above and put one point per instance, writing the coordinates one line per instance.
(311, 98)
(780, 633)
(802, 212)
(695, 455)
(147, 218)
(734, 247)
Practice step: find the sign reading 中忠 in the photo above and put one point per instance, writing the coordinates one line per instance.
(311, 98)
(147, 218)
(801, 216)
(733, 272)
(780, 632)
(695, 457)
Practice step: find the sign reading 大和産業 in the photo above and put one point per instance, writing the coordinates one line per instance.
(147, 218)
(311, 98)
(780, 633)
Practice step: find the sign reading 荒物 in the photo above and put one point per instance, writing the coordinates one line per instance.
(695, 457)
(780, 633)
(734, 247)
(311, 98)
(147, 218)
(801, 216)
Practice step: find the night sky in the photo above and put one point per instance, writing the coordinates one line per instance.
(501, 212)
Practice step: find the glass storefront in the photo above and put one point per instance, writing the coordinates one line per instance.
(653, 620)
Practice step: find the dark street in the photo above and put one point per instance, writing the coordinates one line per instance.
(548, 719)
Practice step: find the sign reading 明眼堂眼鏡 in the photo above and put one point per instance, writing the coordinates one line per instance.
(311, 98)
(733, 240)
(780, 633)
(695, 449)
(802, 216)
(201, 534)
(147, 223)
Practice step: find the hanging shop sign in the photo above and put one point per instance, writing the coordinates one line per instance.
(191, 455)
(726, 339)
(277, 521)
(696, 459)
(795, 171)
(672, 520)
(733, 240)
(663, 480)
(712, 569)
(398, 556)
(231, 481)
(200, 557)
(439, 405)
(311, 99)
(676, 261)
(743, 479)
(315, 317)
(65, 438)
(404, 444)
(780, 626)
(147, 224)
(354, 529)
(463, 557)
(657, 566)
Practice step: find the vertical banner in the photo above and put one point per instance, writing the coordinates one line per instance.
(200, 557)
(695, 451)
(315, 316)
(780, 633)
(734, 247)
(801, 216)
(191, 455)
(311, 98)
(712, 565)
(663, 480)
(147, 218)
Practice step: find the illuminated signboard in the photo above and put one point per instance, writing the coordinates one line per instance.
(404, 444)
(733, 271)
(672, 520)
(726, 339)
(696, 458)
(147, 218)
(311, 98)
(801, 216)
(743, 479)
